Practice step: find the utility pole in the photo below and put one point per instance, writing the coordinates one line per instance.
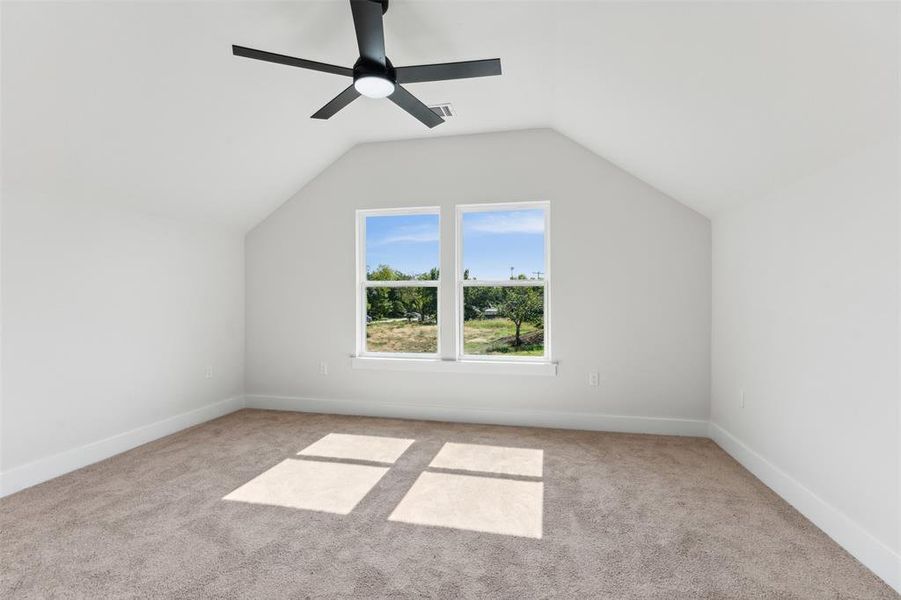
(538, 274)
(511, 272)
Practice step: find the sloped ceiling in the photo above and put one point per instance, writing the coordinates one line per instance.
(142, 103)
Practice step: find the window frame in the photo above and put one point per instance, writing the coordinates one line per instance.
(460, 283)
(362, 283)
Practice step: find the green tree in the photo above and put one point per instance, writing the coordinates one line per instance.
(478, 298)
(379, 304)
(430, 275)
(522, 305)
(414, 300)
(383, 303)
(386, 273)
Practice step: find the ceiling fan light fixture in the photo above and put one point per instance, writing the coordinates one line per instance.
(374, 87)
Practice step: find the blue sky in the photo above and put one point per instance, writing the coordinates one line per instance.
(492, 242)
(495, 241)
(409, 243)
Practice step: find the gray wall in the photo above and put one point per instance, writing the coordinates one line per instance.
(631, 287)
(805, 322)
(110, 318)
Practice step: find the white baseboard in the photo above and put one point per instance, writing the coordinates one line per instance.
(871, 552)
(526, 418)
(27, 475)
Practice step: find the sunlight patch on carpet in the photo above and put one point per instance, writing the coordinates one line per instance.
(490, 459)
(358, 447)
(321, 486)
(483, 504)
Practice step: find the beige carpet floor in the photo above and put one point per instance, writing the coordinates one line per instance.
(622, 516)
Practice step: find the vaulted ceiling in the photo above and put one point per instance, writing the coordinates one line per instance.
(142, 103)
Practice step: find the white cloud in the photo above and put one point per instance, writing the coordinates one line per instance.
(530, 222)
(411, 234)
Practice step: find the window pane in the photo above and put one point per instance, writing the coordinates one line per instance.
(402, 247)
(507, 321)
(504, 244)
(402, 320)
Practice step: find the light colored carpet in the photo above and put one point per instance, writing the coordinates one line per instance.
(624, 516)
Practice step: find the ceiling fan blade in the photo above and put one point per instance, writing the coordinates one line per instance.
(291, 61)
(370, 29)
(415, 107)
(337, 103)
(455, 70)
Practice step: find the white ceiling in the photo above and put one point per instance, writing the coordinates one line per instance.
(713, 103)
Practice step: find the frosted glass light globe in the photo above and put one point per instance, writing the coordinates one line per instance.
(374, 87)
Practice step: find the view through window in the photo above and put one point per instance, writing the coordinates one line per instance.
(401, 282)
(501, 300)
(502, 281)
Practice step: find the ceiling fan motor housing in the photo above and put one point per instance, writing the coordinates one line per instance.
(368, 68)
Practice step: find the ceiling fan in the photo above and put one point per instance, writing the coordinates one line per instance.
(373, 74)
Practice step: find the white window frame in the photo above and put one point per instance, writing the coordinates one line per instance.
(362, 283)
(461, 283)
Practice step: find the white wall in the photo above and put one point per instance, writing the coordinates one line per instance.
(805, 321)
(631, 289)
(110, 318)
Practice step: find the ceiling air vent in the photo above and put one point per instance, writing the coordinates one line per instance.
(443, 110)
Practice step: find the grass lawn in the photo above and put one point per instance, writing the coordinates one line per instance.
(398, 335)
(489, 336)
(495, 336)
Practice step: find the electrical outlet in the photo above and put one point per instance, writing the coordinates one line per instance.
(208, 373)
(741, 399)
(593, 378)
(323, 368)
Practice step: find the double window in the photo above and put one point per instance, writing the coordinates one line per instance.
(498, 297)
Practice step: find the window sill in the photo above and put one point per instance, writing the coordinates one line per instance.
(437, 365)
